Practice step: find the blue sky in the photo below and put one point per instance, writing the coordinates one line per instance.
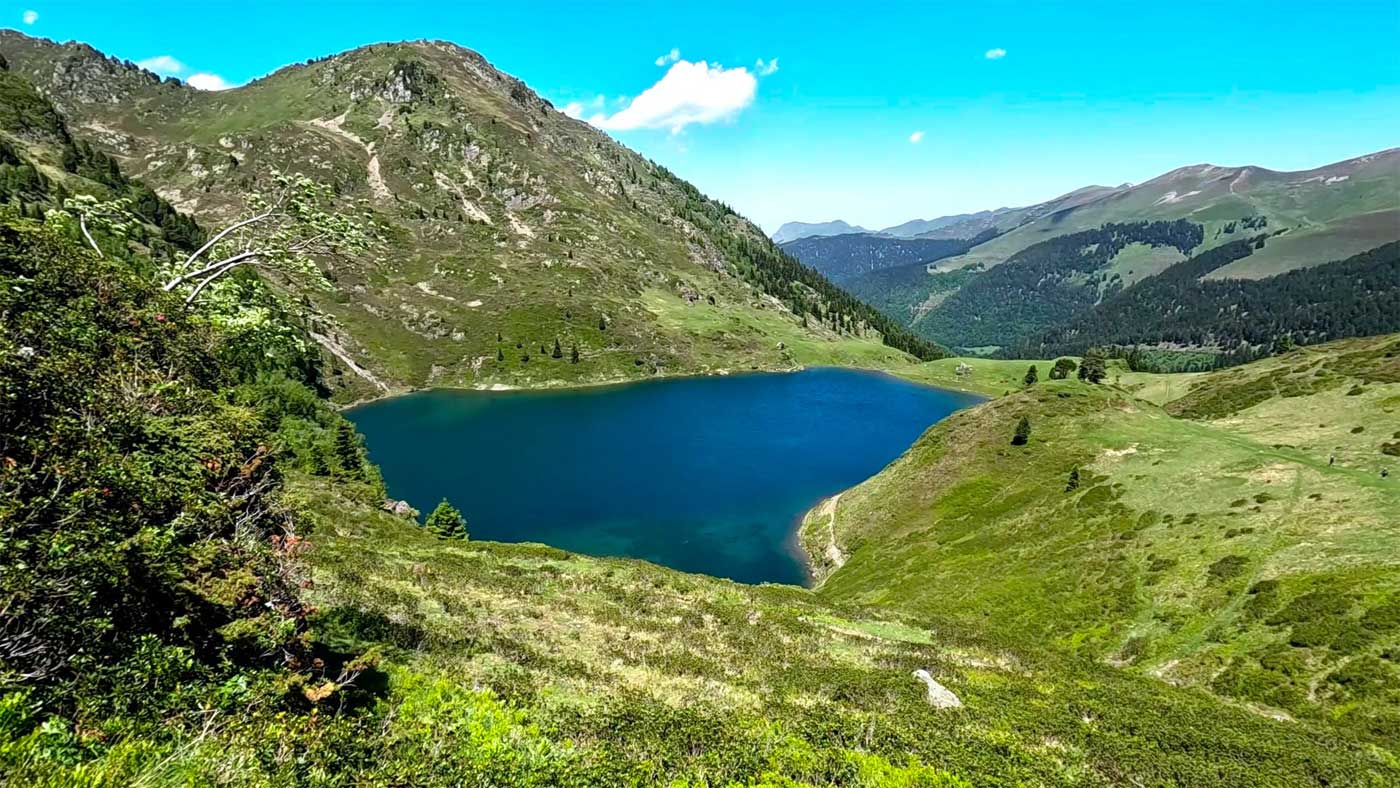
(874, 113)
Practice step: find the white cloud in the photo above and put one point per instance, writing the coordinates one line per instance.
(202, 81)
(669, 57)
(765, 69)
(688, 93)
(165, 65)
(30, 17)
(917, 137)
(996, 54)
(170, 66)
(575, 109)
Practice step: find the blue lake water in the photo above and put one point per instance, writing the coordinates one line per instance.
(700, 474)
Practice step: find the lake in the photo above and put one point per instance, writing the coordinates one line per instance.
(701, 474)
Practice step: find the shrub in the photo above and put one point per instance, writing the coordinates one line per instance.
(1023, 432)
(1227, 568)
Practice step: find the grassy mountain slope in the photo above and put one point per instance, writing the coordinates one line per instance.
(685, 674)
(1045, 284)
(506, 218)
(1328, 213)
(1240, 539)
(935, 228)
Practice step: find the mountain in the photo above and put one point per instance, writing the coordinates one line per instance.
(929, 228)
(845, 257)
(1328, 213)
(855, 259)
(1232, 531)
(508, 225)
(792, 231)
(1063, 281)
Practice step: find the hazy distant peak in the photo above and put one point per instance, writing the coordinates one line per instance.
(791, 231)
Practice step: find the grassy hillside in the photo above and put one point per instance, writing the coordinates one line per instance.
(1241, 539)
(509, 225)
(1328, 213)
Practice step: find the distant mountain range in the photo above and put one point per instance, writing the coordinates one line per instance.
(1067, 259)
(962, 225)
(793, 231)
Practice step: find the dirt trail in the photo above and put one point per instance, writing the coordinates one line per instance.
(832, 552)
(336, 126)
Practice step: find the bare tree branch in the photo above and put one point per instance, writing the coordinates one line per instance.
(227, 262)
(189, 261)
(82, 223)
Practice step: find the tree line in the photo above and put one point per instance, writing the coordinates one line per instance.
(1047, 284)
(1241, 318)
(761, 263)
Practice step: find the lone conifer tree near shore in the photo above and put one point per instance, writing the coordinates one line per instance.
(447, 522)
(1031, 376)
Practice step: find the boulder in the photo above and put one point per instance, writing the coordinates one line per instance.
(939, 696)
(400, 509)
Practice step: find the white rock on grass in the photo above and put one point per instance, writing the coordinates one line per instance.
(939, 696)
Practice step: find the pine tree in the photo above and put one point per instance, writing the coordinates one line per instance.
(1073, 483)
(558, 351)
(447, 522)
(1023, 432)
(1282, 344)
(500, 355)
(347, 449)
(1094, 369)
(573, 355)
(1031, 376)
(602, 323)
(319, 466)
(1062, 368)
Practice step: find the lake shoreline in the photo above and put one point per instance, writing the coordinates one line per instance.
(573, 385)
(707, 473)
(553, 386)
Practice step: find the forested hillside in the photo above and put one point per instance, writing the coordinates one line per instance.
(844, 258)
(1048, 284)
(1240, 318)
